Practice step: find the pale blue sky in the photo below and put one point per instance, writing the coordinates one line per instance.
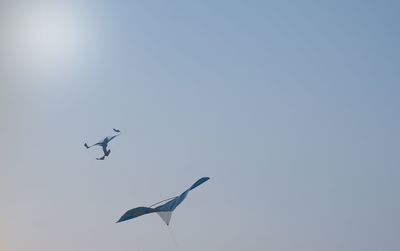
(292, 109)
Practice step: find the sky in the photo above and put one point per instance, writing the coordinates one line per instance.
(290, 107)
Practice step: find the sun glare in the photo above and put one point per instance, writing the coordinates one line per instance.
(47, 37)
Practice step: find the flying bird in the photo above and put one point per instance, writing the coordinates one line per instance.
(165, 210)
(103, 144)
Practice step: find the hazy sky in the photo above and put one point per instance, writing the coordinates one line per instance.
(291, 107)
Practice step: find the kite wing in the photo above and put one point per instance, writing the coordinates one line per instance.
(165, 210)
(199, 182)
(136, 212)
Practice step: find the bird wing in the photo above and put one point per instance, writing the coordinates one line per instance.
(111, 138)
(97, 144)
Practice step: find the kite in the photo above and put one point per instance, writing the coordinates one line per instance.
(104, 144)
(165, 210)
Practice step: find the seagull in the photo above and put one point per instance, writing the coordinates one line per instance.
(103, 144)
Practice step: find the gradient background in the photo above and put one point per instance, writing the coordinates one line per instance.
(291, 107)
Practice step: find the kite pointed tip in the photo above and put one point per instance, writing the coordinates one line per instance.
(199, 182)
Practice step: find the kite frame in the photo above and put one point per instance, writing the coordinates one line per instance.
(164, 200)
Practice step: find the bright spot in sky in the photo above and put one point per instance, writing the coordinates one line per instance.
(48, 37)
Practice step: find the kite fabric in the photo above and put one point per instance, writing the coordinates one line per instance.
(165, 210)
